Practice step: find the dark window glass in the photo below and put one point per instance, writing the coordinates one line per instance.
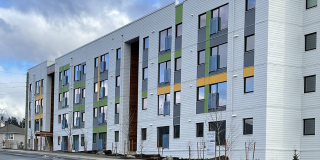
(161, 131)
(201, 57)
(222, 51)
(248, 126)
(311, 3)
(95, 112)
(179, 30)
(96, 62)
(144, 134)
(200, 93)
(94, 138)
(310, 84)
(82, 140)
(117, 108)
(163, 35)
(176, 131)
(105, 58)
(310, 41)
(59, 118)
(202, 20)
(224, 17)
(250, 43)
(119, 53)
(84, 69)
(309, 126)
(199, 130)
(144, 103)
(178, 64)
(177, 97)
(83, 93)
(59, 140)
(161, 99)
(251, 4)
(146, 43)
(116, 136)
(118, 81)
(145, 73)
(248, 84)
(162, 67)
(220, 128)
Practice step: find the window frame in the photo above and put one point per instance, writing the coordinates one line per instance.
(84, 68)
(165, 68)
(174, 131)
(218, 8)
(83, 115)
(246, 42)
(117, 108)
(197, 131)
(199, 20)
(244, 124)
(116, 136)
(199, 92)
(247, 2)
(305, 82)
(164, 100)
(118, 53)
(175, 64)
(166, 36)
(204, 57)
(95, 112)
(95, 87)
(118, 81)
(175, 98)
(143, 105)
(218, 53)
(77, 68)
(143, 134)
(59, 140)
(305, 41)
(144, 43)
(310, 7)
(96, 62)
(83, 91)
(304, 126)
(143, 73)
(177, 30)
(245, 84)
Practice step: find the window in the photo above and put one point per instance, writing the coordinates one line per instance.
(248, 84)
(84, 69)
(179, 30)
(117, 108)
(29, 105)
(41, 121)
(83, 116)
(163, 35)
(36, 108)
(76, 92)
(309, 126)
(29, 124)
(31, 86)
(144, 103)
(161, 99)
(116, 136)
(59, 140)
(248, 126)
(8, 136)
(61, 76)
(104, 110)
(41, 82)
(66, 95)
(222, 51)
(177, 97)
(76, 69)
(201, 57)
(66, 117)
(119, 53)
(94, 138)
(96, 62)
(59, 118)
(249, 43)
(310, 41)
(104, 84)
(220, 88)
(223, 14)
(143, 133)
(145, 73)
(75, 116)
(37, 87)
(178, 64)
(176, 133)
(83, 93)
(95, 87)
(251, 4)
(105, 58)
(220, 128)
(310, 84)
(67, 73)
(162, 131)
(200, 93)
(95, 112)
(118, 81)
(162, 67)
(82, 140)
(146, 43)
(199, 129)
(60, 97)
(311, 3)
(202, 20)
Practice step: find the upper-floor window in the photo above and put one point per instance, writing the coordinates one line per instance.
(179, 30)
(199, 130)
(144, 103)
(67, 73)
(163, 34)
(311, 3)
(104, 110)
(83, 93)
(116, 136)
(200, 93)
(119, 53)
(104, 84)
(105, 58)
(310, 41)
(95, 87)
(222, 51)
(248, 84)
(95, 112)
(60, 76)
(177, 98)
(96, 62)
(83, 116)
(76, 93)
(178, 64)
(201, 57)
(84, 69)
(250, 4)
(176, 131)
(145, 73)
(202, 20)
(162, 67)
(75, 116)
(37, 87)
(249, 43)
(66, 95)
(221, 89)
(117, 108)
(30, 87)
(76, 70)
(60, 97)
(161, 99)
(248, 126)
(146, 43)
(223, 14)
(66, 117)
(309, 126)
(118, 81)
(310, 84)
(220, 128)
(8, 136)
(59, 118)
(36, 107)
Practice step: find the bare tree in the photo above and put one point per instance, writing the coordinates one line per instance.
(70, 131)
(142, 144)
(85, 141)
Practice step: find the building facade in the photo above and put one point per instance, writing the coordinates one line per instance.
(244, 69)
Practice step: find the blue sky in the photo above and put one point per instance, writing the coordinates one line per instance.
(36, 30)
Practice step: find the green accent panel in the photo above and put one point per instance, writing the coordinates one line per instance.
(207, 42)
(177, 53)
(64, 89)
(100, 129)
(100, 103)
(78, 108)
(117, 100)
(65, 67)
(206, 92)
(164, 58)
(78, 85)
(179, 13)
(144, 94)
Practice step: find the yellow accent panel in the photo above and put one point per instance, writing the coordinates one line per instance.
(164, 90)
(39, 97)
(212, 79)
(29, 118)
(248, 71)
(99, 59)
(177, 87)
(38, 116)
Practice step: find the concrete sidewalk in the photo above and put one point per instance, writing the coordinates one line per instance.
(58, 154)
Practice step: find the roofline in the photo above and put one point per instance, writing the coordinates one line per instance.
(40, 64)
(119, 28)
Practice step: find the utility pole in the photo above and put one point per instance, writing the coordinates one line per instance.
(26, 115)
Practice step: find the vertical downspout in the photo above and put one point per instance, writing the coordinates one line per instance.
(26, 120)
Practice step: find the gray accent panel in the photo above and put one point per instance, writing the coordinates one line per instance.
(177, 76)
(103, 98)
(117, 94)
(178, 43)
(144, 64)
(145, 85)
(104, 75)
(95, 79)
(201, 71)
(116, 119)
(82, 124)
(220, 108)
(118, 72)
(176, 110)
(95, 71)
(250, 17)
(248, 59)
(95, 97)
(219, 38)
(176, 120)
(201, 46)
(249, 30)
(94, 145)
(200, 107)
(60, 105)
(118, 64)
(164, 52)
(202, 34)
(145, 55)
(163, 84)
(219, 71)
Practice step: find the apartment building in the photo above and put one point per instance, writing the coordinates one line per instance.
(244, 69)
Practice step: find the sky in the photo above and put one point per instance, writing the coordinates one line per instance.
(34, 31)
